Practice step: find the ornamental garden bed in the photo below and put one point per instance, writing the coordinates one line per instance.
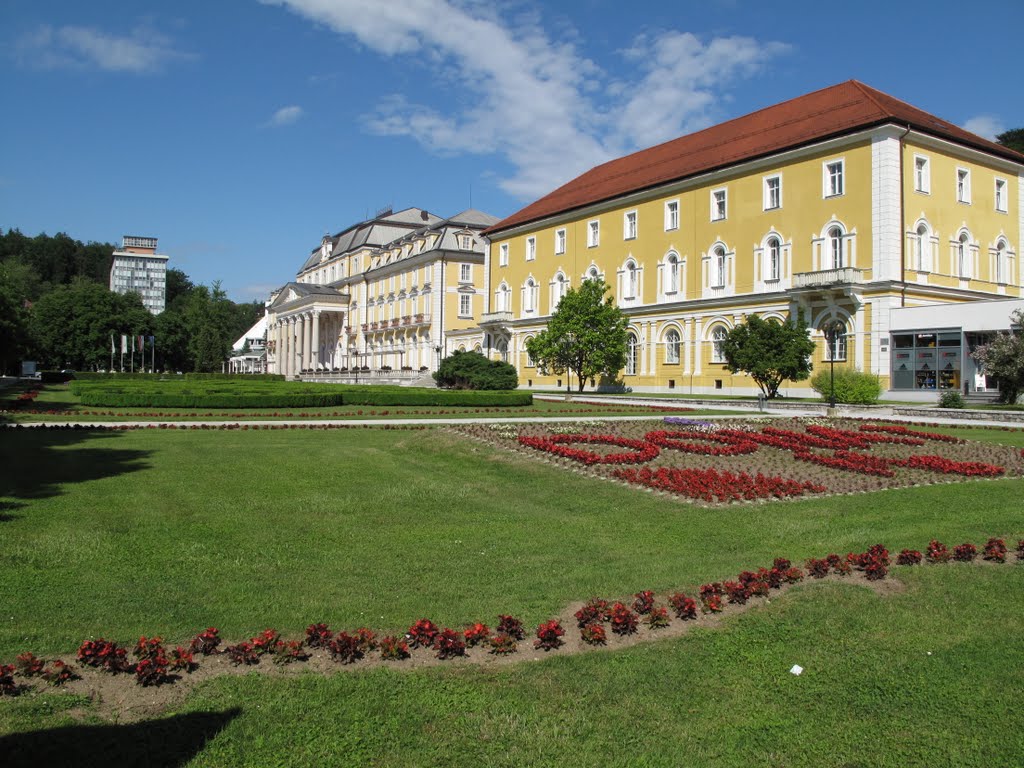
(759, 459)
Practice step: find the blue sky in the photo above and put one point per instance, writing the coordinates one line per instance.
(238, 132)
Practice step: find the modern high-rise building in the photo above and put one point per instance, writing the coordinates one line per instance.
(138, 268)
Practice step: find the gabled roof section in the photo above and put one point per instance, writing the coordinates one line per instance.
(814, 117)
(296, 292)
(473, 218)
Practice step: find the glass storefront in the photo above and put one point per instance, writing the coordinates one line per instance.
(926, 360)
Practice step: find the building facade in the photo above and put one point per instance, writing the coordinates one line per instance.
(381, 297)
(841, 206)
(138, 268)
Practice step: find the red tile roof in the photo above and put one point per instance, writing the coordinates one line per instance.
(830, 112)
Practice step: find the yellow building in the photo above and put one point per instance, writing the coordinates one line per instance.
(844, 205)
(379, 300)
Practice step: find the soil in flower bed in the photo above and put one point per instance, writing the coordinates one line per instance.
(758, 459)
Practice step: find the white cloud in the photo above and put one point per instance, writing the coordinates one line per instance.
(286, 115)
(537, 101)
(986, 126)
(71, 47)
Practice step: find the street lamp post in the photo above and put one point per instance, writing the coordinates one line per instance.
(568, 343)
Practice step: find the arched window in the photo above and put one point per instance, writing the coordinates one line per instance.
(718, 268)
(672, 346)
(503, 298)
(593, 274)
(835, 340)
(835, 247)
(530, 295)
(630, 287)
(773, 253)
(924, 248)
(632, 354)
(672, 277)
(559, 286)
(718, 335)
(963, 255)
(1001, 261)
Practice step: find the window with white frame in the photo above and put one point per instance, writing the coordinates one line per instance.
(1001, 195)
(465, 273)
(559, 287)
(963, 185)
(467, 242)
(772, 192)
(924, 248)
(773, 255)
(629, 225)
(834, 182)
(836, 247)
(671, 215)
(630, 281)
(559, 241)
(672, 346)
(835, 341)
(922, 174)
(593, 274)
(963, 255)
(502, 298)
(530, 295)
(1000, 265)
(593, 234)
(718, 268)
(503, 255)
(632, 354)
(529, 358)
(672, 274)
(465, 305)
(718, 334)
(718, 204)
(531, 248)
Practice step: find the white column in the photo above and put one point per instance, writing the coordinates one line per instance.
(286, 346)
(316, 341)
(698, 352)
(687, 345)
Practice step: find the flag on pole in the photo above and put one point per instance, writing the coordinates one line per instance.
(113, 349)
(139, 341)
(124, 343)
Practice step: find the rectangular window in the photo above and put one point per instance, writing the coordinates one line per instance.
(629, 226)
(559, 241)
(772, 193)
(671, 215)
(834, 184)
(963, 185)
(503, 255)
(531, 248)
(465, 308)
(465, 273)
(718, 205)
(1001, 195)
(593, 234)
(922, 175)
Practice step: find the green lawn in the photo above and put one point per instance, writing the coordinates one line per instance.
(153, 532)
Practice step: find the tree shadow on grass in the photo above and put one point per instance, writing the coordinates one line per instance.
(40, 463)
(163, 743)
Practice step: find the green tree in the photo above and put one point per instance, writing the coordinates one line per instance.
(1014, 139)
(1003, 358)
(14, 326)
(769, 352)
(586, 335)
(471, 370)
(72, 324)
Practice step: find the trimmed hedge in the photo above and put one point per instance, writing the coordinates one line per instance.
(852, 387)
(113, 376)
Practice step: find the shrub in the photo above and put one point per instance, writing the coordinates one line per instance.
(242, 653)
(152, 671)
(58, 673)
(421, 634)
(624, 621)
(549, 635)
(206, 642)
(28, 665)
(594, 612)
(909, 557)
(265, 641)
(594, 634)
(393, 648)
(104, 654)
(965, 552)
(644, 602)
(951, 398)
(476, 634)
(471, 370)
(735, 592)
(345, 648)
(818, 568)
(318, 635)
(684, 607)
(995, 550)
(851, 386)
(448, 643)
(937, 552)
(511, 626)
(502, 644)
(657, 618)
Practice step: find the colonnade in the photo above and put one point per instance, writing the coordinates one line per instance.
(297, 341)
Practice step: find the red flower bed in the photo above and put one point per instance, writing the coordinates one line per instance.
(995, 550)
(712, 485)
(593, 634)
(476, 634)
(684, 607)
(909, 557)
(965, 553)
(937, 552)
(949, 467)
(641, 450)
(733, 446)
(549, 635)
(894, 429)
(624, 621)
